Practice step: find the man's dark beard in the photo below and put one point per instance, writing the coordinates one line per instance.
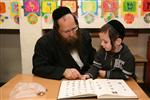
(73, 44)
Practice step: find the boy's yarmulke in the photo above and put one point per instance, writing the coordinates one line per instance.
(118, 26)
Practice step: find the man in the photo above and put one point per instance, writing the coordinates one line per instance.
(66, 51)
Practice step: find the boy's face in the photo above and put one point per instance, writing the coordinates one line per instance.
(105, 41)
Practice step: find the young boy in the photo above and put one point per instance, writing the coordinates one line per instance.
(114, 59)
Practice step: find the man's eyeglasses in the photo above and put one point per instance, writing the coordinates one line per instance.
(71, 30)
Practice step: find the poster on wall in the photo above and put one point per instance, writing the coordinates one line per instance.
(89, 13)
(9, 14)
(146, 11)
(32, 10)
(47, 7)
(72, 5)
(15, 10)
(109, 9)
(3, 17)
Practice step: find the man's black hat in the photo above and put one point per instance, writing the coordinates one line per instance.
(59, 12)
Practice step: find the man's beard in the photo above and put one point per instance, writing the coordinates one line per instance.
(73, 43)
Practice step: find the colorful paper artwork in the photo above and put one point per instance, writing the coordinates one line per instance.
(91, 13)
(72, 4)
(32, 6)
(89, 9)
(32, 18)
(109, 9)
(15, 10)
(2, 7)
(89, 6)
(32, 10)
(129, 10)
(89, 18)
(147, 18)
(48, 7)
(2, 11)
(146, 5)
(146, 11)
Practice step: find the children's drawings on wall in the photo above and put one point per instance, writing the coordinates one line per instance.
(32, 6)
(72, 4)
(32, 10)
(48, 7)
(2, 11)
(109, 9)
(9, 15)
(89, 9)
(146, 10)
(147, 18)
(15, 10)
(90, 13)
(2, 7)
(32, 18)
(129, 10)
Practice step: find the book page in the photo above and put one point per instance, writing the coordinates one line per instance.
(114, 88)
(76, 89)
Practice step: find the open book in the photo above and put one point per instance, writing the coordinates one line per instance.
(100, 88)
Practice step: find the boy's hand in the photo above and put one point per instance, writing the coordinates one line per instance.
(102, 73)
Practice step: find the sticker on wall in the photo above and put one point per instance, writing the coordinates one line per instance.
(147, 18)
(89, 9)
(129, 10)
(15, 10)
(32, 18)
(31, 6)
(71, 4)
(48, 7)
(109, 9)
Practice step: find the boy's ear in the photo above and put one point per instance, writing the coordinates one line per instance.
(118, 41)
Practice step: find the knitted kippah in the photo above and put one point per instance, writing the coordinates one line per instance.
(59, 12)
(118, 26)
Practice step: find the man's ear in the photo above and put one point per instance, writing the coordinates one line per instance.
(118, 41)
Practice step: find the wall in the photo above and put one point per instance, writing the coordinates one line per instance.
(10, 54)
(29, 33)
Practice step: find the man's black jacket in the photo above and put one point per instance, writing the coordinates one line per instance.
(51, 58)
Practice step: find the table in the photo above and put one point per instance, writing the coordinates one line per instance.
(53, 87)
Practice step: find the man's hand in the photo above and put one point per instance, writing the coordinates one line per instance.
(72, 74)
